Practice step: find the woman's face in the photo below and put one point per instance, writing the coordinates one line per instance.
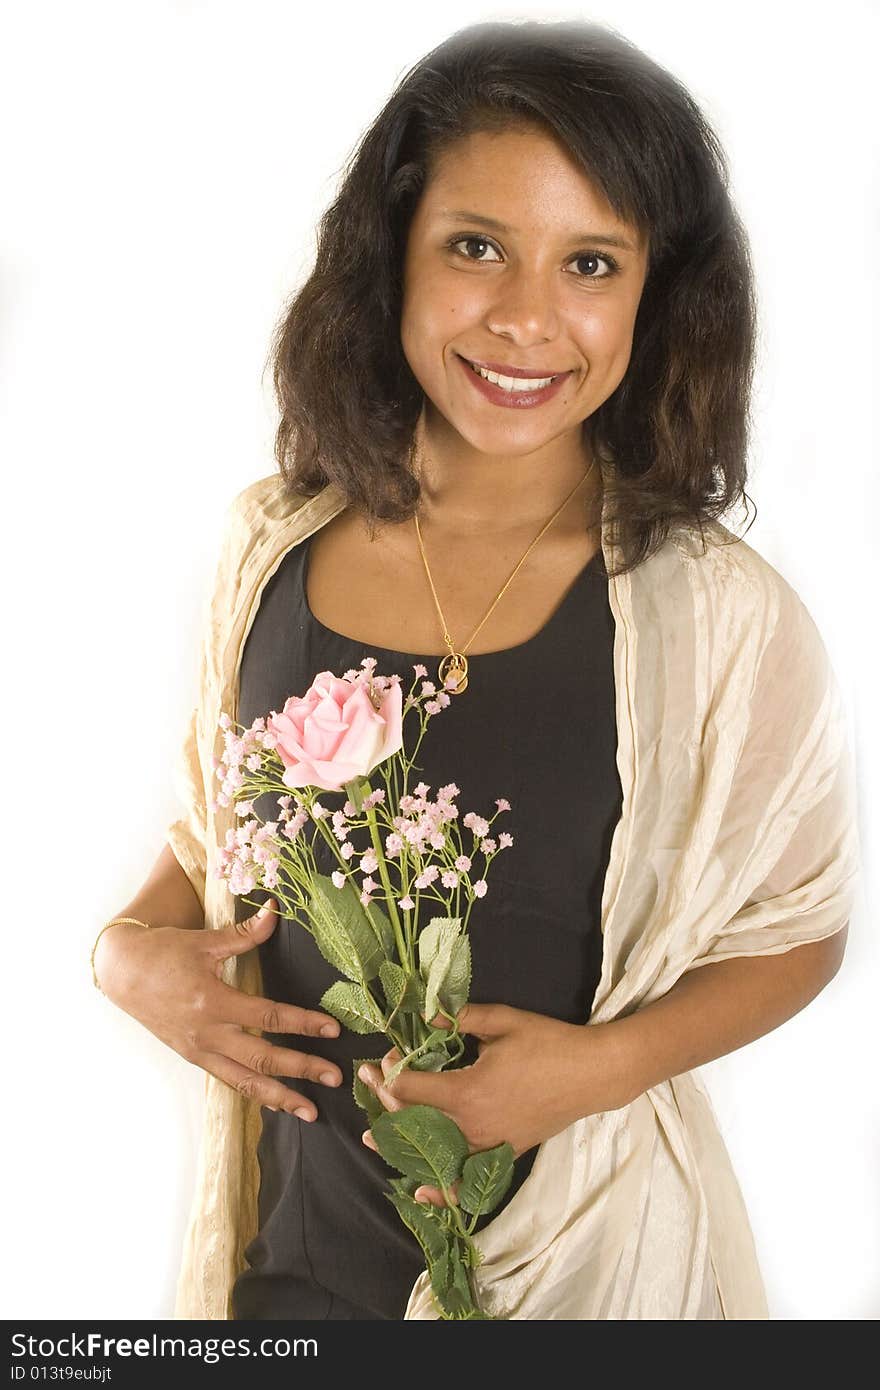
(515, 259)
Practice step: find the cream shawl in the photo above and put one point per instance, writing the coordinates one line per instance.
(737, 837)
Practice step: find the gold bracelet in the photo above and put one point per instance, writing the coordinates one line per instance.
(115, 922)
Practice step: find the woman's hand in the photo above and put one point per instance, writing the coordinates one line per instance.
(533, 1077)
(168, 978)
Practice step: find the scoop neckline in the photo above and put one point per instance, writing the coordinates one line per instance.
(423, 657)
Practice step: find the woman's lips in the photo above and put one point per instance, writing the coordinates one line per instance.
(515, 400)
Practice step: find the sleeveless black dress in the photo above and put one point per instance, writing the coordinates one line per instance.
(536, 725)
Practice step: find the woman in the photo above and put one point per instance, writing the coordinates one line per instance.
(537, 204)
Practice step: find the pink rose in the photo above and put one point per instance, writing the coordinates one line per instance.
(335, 733)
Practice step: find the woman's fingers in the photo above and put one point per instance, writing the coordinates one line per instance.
(266, 1059)
(272, 1094)
(252, 1011)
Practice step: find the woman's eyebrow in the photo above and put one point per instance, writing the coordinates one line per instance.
(606, 238)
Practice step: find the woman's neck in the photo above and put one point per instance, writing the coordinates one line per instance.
(469, 492)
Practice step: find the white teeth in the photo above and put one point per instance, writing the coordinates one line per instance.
(510, 383)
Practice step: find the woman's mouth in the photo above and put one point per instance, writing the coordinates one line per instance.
(517, 392)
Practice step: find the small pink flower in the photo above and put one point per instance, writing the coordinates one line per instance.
(338, 878)
(480, 888)
(476, 823)
(420, 670)
(462, 863)
(449, 879)
(347, 850)
(502, 804)
(369, 884)
(406, 903)
(505, 840)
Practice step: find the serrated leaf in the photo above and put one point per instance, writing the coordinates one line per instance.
(342, 933)
(456, 987)
(421, 1142)
(485, 1178)
(408, 1061)
(353, 1006)
(381, 927)
(447, 937)
(433, 1060)
(393, 980)
(428, 1230)
(457, 1297)
(405, 1186)
(431, 939)
(366, 1099)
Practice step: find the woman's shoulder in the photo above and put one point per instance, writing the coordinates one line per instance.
(734, 591)
(269, 501)
(265, 514)
(736, 571)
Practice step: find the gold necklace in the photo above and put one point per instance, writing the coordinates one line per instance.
(454, 667)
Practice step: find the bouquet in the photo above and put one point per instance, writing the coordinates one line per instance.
(402, 976)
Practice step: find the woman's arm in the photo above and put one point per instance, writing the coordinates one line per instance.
(716, 1008)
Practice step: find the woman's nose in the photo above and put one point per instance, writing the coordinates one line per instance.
(523, 308)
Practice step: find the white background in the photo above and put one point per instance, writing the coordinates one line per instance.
(163, 168)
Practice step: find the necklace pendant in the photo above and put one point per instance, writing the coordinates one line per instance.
(454, 665)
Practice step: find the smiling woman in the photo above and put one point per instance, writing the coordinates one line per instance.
(513, 401)
(541, 200)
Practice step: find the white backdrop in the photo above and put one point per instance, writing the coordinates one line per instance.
(162, 172)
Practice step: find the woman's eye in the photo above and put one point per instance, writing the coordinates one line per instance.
(471, 241)
(590, 257)
(593, 257)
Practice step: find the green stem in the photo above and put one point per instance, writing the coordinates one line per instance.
(402, 946)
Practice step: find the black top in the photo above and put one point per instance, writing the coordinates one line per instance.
(536, 725)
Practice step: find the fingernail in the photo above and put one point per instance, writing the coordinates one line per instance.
(329, 1078)
(303, 1114)
(329, 1030)
(365, 1075)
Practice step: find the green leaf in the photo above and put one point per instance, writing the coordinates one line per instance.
(353, 1006)
(433, 1060)
(405, 1186)
(456, 1298)
(435, 1039)
(437, 955)
(366, 1099)
(421, 1142)
(342, 933)
(432, 937)
(393, 980)
(485, 1178)
(456, 986)
(403, 993)
(420, 1218)
(356, 790)
(381, 927)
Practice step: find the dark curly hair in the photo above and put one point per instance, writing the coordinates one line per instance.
(673, 435)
